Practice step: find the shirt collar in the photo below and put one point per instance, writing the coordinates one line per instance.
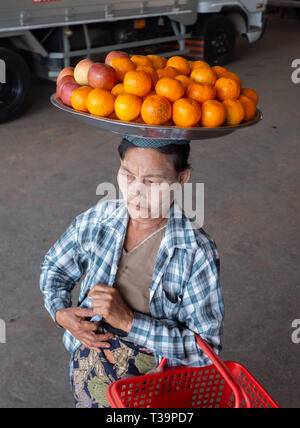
(179, 233)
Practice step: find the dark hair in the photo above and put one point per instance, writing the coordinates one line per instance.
(179, 152)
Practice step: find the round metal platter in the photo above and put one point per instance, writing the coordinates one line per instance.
(148, 131)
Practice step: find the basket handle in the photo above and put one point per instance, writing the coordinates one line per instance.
(224, 371)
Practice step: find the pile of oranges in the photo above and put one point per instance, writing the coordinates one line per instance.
(154, 90)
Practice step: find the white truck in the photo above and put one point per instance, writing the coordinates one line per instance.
(40, 37)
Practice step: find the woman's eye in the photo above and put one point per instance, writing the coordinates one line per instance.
(128, 176)
(155, 183)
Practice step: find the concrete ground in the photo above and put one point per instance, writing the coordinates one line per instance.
(50, 166)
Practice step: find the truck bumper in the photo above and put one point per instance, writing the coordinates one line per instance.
(257, 33)
(265, 23)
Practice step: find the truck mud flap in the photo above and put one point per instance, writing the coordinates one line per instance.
(196, 48)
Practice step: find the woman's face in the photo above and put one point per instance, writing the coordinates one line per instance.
(144, 178)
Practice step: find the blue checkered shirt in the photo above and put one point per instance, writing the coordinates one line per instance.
(185, 292)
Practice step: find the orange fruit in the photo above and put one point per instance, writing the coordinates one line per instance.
(235, 77)
(128, 107)
(100, 102)
(251, 93)
(213, 114)
(172, 89)
(137, 83)
(220, 71)
(201, 92)
(235, 112)
(158, 62)
(199, 64)
(122, 66)
(227, 89)
(204, 75)
(185, 80)
(79, 98)
(152, 73)
(223, 72)
(141, 60)
(186, 113)
(250, 107)
(151, 93)
(118, 89)
(181, 64)
(156, 110)
(170, 72)
(113, 116)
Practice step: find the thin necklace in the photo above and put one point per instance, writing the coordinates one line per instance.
(146, 239)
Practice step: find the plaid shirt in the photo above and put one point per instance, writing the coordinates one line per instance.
(185, 293)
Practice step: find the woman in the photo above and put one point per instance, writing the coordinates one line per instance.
(152, 281)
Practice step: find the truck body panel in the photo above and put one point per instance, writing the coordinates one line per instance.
(30, 14)
(215, 6)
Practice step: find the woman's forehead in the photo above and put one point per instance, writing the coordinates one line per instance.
(146, 161)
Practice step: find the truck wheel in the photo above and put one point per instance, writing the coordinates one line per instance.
(219, 38)
(14, 94)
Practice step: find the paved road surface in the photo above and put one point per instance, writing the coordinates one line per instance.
(50, 166)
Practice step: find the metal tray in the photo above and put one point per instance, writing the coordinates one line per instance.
(147, 131)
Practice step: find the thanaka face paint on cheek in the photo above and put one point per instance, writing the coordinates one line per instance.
(123, 184)
(152, 200)
(162, 198)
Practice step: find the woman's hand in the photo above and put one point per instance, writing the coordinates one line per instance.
(73, 320)
(108, 303)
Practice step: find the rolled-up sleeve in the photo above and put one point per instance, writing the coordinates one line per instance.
(62, 267)
(201, 311)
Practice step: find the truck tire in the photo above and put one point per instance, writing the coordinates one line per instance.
(219, 39)
(14, 94)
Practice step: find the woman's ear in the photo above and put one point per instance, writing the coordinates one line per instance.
(184, 176)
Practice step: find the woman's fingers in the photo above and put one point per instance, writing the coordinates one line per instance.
(101, 291)
(84, 312)
(89, 345)
(89, 326)
(91, 348)
(96, 341)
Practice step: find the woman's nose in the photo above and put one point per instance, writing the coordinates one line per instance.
(139, 184)
(136, 189)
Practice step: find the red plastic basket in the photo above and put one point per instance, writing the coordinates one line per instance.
(220, 385)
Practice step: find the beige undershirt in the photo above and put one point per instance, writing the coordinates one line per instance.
(135, 272)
